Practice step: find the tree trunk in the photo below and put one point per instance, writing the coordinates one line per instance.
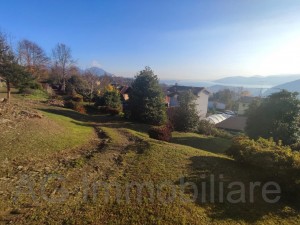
(64, 86)
(8, 90)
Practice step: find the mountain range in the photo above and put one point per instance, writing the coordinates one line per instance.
(258, 80)
(97, 71)
(293, 86)
(256, 85)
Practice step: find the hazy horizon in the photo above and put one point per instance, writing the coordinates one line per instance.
(195, 40)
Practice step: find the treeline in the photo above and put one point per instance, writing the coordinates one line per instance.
(27, 66)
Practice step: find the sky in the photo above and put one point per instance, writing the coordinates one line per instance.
(192, 39)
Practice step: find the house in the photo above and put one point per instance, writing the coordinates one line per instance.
(124, 91)
(244, 104)
(216, 105)
(201, 97)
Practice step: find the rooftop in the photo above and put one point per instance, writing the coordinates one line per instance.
(177, 89)
(234, 123)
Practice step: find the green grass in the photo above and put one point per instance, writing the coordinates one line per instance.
(43, 137)
(160, 162)
(38, 95)
(130, 156)
(211, 144)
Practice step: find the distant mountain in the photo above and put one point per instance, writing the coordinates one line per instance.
(194, 83)
(293, 86)
(258, 80)
(252, 91)
(98, 71)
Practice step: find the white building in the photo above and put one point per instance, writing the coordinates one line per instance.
(201, 97)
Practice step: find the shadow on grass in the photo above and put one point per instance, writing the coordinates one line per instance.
(98, 119)
(226, 171)
(210, 144)
(78, 116)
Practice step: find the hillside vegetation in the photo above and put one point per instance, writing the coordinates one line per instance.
(51, 166)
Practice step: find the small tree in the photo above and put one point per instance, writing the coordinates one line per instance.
(146, 100)
(92, 84)
(186, 117)
(63, 61)
(277, 117)
(10, 71)
(112, 99)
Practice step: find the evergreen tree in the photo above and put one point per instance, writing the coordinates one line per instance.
(277, 117)
(10, 71)
(186, 117)
(112, 99)
(146, 98)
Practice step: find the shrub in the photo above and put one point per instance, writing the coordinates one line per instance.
(207, 128)
(276, 160)
(29, 86)
(163, 132)
(296, 146)
(77, 106)
(110, 102)
(26, 91)
(99, 101)
(112, 111)
(55, 102)
(264, 153)
(77, 98)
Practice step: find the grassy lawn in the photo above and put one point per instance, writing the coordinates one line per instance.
(124, 155)
(210, 144)
(150, 161)
(42, 137)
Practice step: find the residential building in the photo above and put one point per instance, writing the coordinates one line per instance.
(244, 104)
(124, 91)
(216, 105)
(201, 97)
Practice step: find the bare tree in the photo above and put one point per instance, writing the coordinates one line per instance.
(105, 80)
(92, 83)
(63, 61)
(32, 57)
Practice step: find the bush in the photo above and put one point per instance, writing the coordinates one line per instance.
(99, 101)
(112, 111)
(110, 102)
(264, 153)
(30, 86)
(77, 106)
(275, 160)
(27, 91)
(296, 146)
(163, 132)
(207, 128)
(77, 98)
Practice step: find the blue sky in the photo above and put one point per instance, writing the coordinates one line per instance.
(201, 39)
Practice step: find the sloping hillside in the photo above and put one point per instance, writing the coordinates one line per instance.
(293, 86)
(112, 173)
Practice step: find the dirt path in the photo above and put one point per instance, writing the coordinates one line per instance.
(28, 187)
